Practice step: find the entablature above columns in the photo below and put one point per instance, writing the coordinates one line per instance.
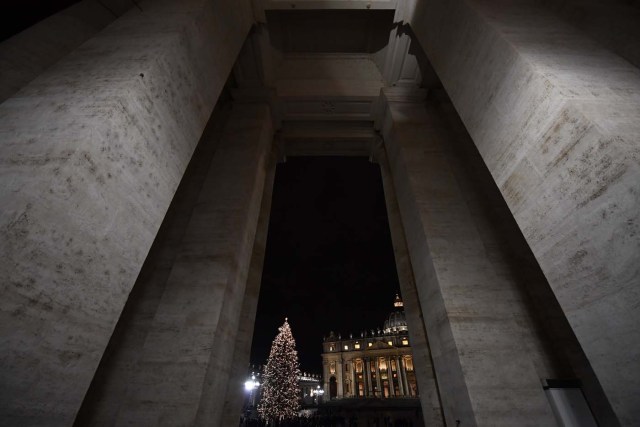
(325, 4)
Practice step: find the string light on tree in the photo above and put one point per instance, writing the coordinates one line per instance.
(280, 388)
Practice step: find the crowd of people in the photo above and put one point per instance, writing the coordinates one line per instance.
(329, 421)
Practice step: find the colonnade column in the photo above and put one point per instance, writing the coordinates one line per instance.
(242, 351)
(399, 373)
(404, 376)
(543, 127)
(403, 369)
(462, 297)
(108, 133)
(365, 374)
(364, 378)
(354, 383)
(392, 388)
(369, 382)
(109, 386)
(365, 383)
(426, 378)
(340, 377)
(326, 379)
(198, 317)
(378, 380)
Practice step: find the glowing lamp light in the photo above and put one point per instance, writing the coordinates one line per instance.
(251, 384)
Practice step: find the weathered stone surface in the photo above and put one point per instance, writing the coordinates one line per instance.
(241, 358)
(552, 344)
(186, 360)
(425, 374)
(556, 119)
(485, 372)
(119, 364)
(92, 152)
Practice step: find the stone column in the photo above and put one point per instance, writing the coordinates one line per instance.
(461, 296)
(403, 369)
(109, 385)
(242, 350)
(354, 390)
(373, 383)
(570, 187)
(340, 377)
(378, 381)
(392, 389)
(183, 370)
(425, 374)
(365, 378)
(399, 373)
(326, 376)
(368, 377)
(369, 382)
(398, 379)
(92, 152)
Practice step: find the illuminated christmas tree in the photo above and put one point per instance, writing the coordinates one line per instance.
(280, 391)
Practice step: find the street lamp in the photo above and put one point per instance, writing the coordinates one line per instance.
(318, 392)
(249, 386)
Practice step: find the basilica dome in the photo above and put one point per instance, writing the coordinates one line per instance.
(396, 322)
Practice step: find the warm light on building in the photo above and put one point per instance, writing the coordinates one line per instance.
(383, 368)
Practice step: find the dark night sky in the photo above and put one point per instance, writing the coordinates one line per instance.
(329, 263)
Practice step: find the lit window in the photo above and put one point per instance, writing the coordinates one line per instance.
(382, 363)
(409, 363)
(405, 342)
(390, 342)
(332, 347)
(357, 346)
(346, 347)
(370, 344)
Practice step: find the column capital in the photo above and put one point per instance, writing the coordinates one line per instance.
(410, 101)
(404, 94)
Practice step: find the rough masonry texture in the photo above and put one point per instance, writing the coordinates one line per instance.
(508, 137)
(469, 309)
(183, 364)
(92, 153)
(555, 117)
